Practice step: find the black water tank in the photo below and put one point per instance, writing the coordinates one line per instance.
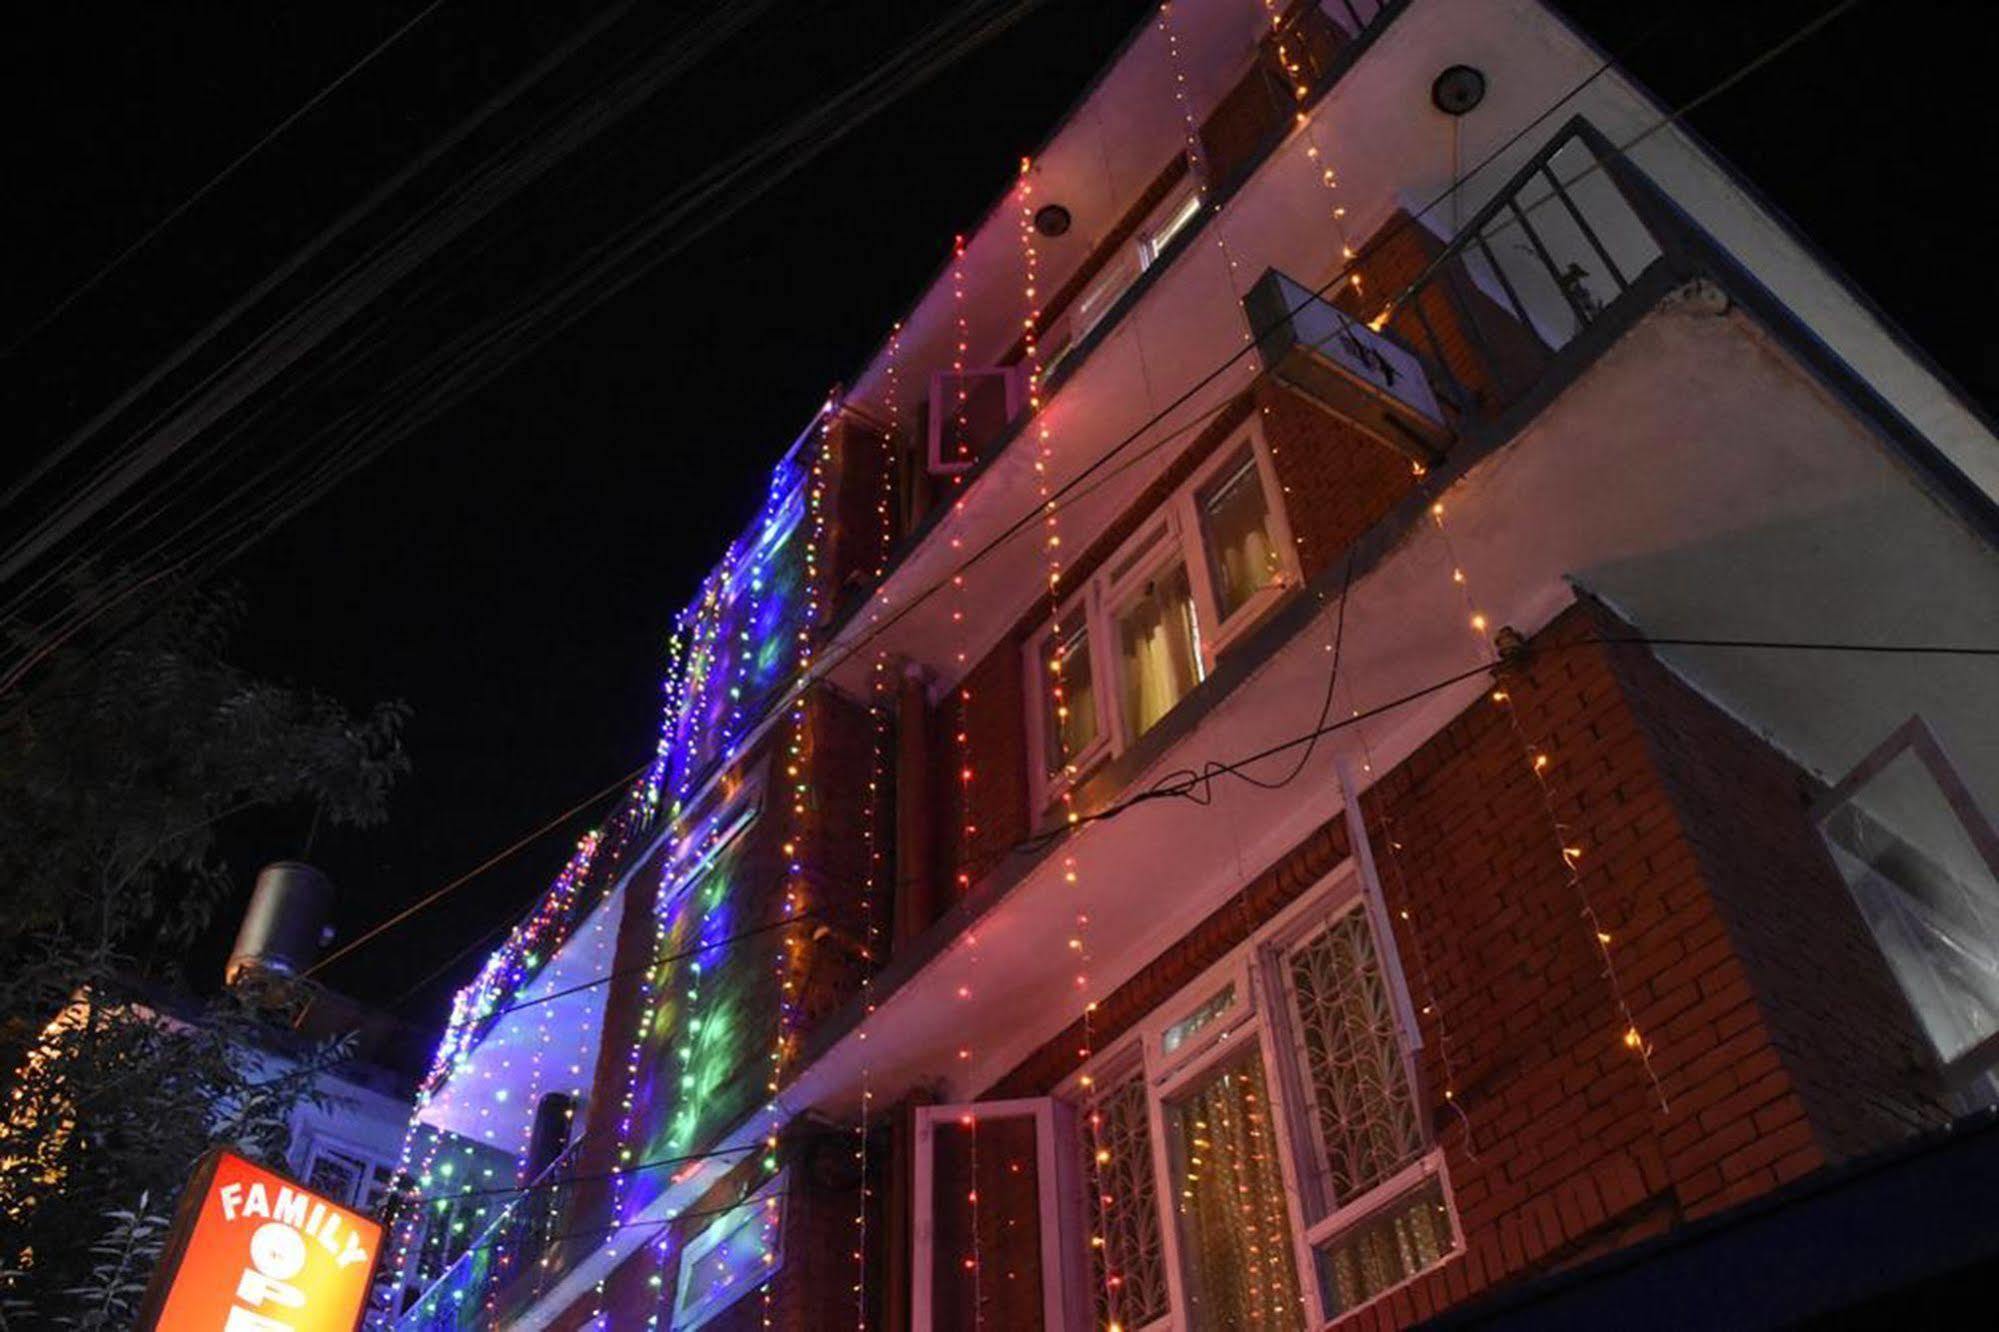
(283, 925)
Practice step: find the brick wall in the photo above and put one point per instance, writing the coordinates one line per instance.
(1700, 864)
(1832, 1008)
(739, 984)
(1338, 481)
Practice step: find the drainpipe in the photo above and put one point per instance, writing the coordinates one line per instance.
(916, 888)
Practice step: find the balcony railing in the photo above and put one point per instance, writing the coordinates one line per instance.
(1558, 252)
(511, 1245)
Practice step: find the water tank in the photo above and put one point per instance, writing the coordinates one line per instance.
(283, 925)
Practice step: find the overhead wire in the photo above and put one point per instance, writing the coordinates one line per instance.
(831, 661)
(444, 376)
(269, 136)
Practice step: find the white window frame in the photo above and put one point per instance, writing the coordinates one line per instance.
(1262, 1014)
(1173, 215)
(372, 1166)
(1122, 270)
(1064, 1267)
(1178, 522)
(771, 1196)
(1915, 740)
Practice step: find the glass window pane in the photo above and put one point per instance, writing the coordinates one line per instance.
(1364, 1122)
(1068, 696)
(1187, 1028)
(1235, 528)
(1130, 1263)
(1929, 896)
(1235, 1232)
(1410, 1236)
(1161, 648)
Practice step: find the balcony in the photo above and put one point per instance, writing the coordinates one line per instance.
(1573, 249)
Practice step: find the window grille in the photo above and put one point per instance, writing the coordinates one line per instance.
(1364, 1120)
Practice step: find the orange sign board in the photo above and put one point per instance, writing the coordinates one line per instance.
(253, 1251)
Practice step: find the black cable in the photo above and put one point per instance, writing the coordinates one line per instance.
(800, 140)
(825, 665)
(146, 238)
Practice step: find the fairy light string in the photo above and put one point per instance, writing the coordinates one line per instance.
(1569, 848)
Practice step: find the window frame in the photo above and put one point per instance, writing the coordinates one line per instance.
(1058, 1199)
(1177, 528)
(1170, 217)
(1915, 739)
(372, 1168)
(1262, 1014)
(771, 1195)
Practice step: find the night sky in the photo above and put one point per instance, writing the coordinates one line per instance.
(510, 569)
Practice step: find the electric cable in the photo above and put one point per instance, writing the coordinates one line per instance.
(147, 237)
(828, 662)
(802, 138)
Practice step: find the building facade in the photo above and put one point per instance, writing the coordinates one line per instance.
(1325, 730)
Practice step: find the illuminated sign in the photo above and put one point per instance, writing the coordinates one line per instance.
(252, 1251)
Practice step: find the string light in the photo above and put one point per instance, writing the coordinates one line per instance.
(1569, 853)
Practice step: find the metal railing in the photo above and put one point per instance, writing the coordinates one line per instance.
(1572, 232)
(515, 1240)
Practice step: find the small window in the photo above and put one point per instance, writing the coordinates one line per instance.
(1922, 862)
(1172, 218)
(739, 1251)
(341, 1176)
(1159, 645)
(1187, 1028)
(1409, 1236)
(1069, 696)
(1234, 515)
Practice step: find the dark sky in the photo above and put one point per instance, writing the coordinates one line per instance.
(511, 568)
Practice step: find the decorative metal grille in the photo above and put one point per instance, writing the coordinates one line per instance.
(1364, 1115)
(1130, 1264)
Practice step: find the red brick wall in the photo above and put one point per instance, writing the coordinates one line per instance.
(1564, 1150)
(1338, 481)
(1833, 1009)
(981, 816)
(739, 981)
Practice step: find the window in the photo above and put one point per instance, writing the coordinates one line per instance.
(1270, 1121)
(347, 1177)
(969, 412)
(1922, 862)
(1168, 220)
(1228, 1189)
(1068, 696)
(1129, 1288)
(997, 1198)
(1371, 1189)
(1236, 534)
(1138, 637)
(739, 1251)
(1125, 265)
(1159, 646)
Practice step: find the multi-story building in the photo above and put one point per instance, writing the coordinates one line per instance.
(1304, 743)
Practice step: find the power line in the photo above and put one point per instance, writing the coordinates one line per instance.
(827, 663)
(419, 394)
(473, 873)
(1194, 783)
(151, 233)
